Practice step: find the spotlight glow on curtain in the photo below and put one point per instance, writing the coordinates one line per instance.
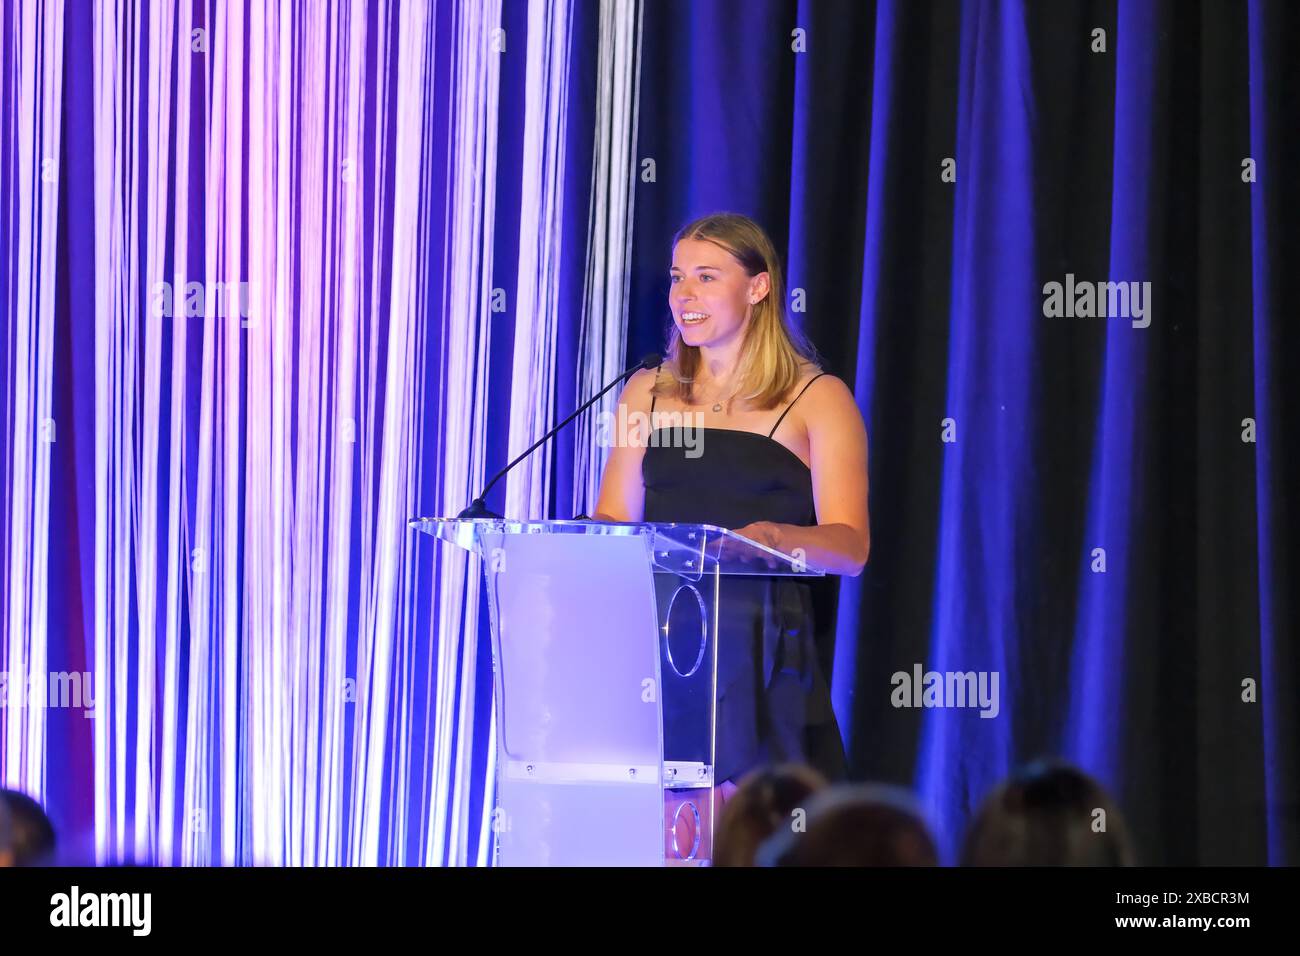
(263, 345)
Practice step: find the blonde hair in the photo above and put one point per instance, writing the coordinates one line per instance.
(773, 356)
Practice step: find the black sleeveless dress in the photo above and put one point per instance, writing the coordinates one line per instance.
(774, 705)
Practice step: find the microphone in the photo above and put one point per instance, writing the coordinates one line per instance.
(478, 507)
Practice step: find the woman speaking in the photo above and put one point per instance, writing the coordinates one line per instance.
(784, 463)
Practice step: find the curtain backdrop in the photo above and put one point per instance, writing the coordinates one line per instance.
(1098, 510)
(278, 277)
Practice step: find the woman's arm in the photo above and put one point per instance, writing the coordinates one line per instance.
(840, 542)
(622, 490)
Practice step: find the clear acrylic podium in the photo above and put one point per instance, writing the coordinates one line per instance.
(605, 689)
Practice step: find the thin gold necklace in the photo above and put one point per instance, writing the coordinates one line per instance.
(717, 406)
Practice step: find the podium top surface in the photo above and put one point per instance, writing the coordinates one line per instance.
(687, 549)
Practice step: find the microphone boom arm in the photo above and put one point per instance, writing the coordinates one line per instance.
(478, 507)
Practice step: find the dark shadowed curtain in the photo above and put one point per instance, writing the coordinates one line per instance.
(1099, 510)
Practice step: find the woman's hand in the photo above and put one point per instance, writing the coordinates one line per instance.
(764, 532)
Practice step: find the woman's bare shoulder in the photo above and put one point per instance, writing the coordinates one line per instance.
(827, 394)
(636, 392)
(645, 379)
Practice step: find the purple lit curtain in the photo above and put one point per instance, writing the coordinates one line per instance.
(278, 278)
(1097, 510)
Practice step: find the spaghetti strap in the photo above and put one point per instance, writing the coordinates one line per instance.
(791, 405)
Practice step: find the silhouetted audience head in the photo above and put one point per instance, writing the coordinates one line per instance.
(859, 825)
(26, 834)
(1048, 814)
(763, 803)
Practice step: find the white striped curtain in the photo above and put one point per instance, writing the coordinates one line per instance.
(289, 239)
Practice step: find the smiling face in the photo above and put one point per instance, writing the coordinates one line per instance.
(711, 295)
